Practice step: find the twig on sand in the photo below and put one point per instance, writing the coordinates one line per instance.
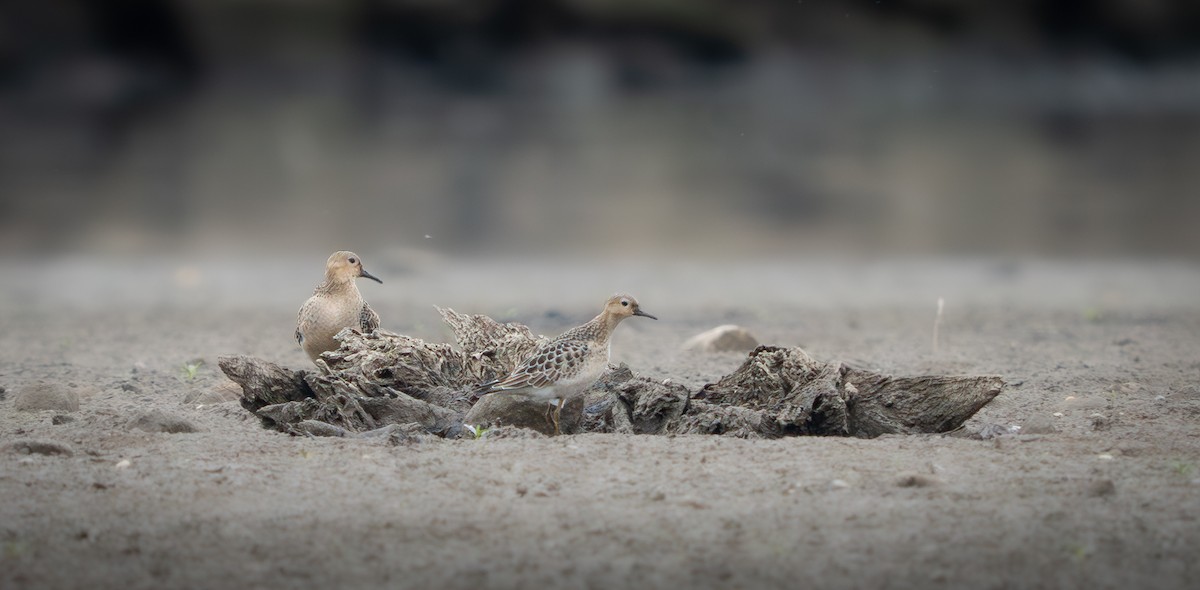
(937, 322)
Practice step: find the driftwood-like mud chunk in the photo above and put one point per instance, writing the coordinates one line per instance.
(288, 413)
(339, 399)
(735, 421)
(796, 394)
(909, 405)
(652, 407)
(380, 378)
(264, 383)
(406, 410)
(505, 345)
(318, 428)
(801, 396)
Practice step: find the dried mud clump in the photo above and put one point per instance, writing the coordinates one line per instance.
(381, 379)
(793, 393)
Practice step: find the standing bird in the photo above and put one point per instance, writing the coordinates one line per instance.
(571, 363)
(335, 304)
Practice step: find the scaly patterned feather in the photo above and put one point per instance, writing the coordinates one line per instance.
(553, 362)
(368, 320)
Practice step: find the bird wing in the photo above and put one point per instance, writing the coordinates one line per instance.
(548, 365)
(368, 320)
(301, 323)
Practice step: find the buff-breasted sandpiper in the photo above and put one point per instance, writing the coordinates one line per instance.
(569, 364)
(336, 303)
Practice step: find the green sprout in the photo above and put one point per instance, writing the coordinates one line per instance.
(1182, 468)
(15, 549)
(477, 432)
(1079, 552)
(189, 370)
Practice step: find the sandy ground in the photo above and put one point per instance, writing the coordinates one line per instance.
(1100, 489)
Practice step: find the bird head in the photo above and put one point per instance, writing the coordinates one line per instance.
(623, 305)
(346, 266)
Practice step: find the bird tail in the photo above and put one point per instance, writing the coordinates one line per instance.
(484, 389)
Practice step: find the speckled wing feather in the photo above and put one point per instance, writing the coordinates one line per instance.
(368, 320)
(300, 323)
(553, 362)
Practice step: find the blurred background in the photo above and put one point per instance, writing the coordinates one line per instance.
(682, 128)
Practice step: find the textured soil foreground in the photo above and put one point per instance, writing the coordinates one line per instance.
(126, 461)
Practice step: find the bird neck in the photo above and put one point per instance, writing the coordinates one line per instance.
(605, 324)
(333, 285)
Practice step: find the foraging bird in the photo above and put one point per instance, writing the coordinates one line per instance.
(569, 364)
(335, 304)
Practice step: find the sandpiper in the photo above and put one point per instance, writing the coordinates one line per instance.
(569, 364)
(335, 304)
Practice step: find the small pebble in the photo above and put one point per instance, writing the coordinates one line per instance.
(728, 338)
(1057, 414)
(1104, 457)
(123, 464)
(839, 484)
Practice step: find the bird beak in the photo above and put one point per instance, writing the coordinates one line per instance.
(362, 272)
(643, 314)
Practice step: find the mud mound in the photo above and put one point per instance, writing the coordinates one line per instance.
(381, 378)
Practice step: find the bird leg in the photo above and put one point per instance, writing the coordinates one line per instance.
(551, 417)
(554, 414)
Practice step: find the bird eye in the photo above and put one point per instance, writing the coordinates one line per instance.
(625, 303)
(352, 261)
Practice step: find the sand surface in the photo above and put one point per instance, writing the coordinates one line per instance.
(1099, 489)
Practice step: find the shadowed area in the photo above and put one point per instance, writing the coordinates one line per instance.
(916, 126)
